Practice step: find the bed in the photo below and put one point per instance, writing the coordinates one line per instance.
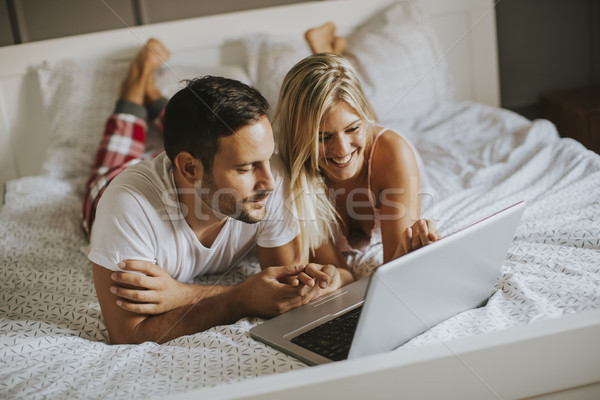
(536, 336)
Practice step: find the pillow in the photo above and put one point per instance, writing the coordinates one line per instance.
(396, 55)
(269, 58)
(79, 96)
(402, 68)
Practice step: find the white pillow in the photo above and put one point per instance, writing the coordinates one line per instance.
(396, 54)
(402, 68)
(79, 96)
(269, 58)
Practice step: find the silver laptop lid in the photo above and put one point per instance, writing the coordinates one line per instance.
(433, 283)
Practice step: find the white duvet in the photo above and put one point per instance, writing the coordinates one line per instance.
(479, 160)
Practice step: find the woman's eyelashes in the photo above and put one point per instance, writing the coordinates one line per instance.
(353, 129)
(325, 136)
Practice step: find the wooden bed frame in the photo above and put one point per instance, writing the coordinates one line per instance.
(552, 356)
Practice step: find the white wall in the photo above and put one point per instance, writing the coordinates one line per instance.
(543, 45)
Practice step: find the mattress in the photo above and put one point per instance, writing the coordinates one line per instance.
(478, 159)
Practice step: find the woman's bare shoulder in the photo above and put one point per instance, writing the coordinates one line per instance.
(390, 146)
(393, 161)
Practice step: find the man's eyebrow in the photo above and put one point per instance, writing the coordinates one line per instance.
(346, 127)
(244, 164)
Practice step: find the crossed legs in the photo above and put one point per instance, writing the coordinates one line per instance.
(124, 139)
(138, 86)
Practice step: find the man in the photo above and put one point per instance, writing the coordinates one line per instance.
(195, 209)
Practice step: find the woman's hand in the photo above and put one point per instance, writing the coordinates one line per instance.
(322, 276)
(421, 233)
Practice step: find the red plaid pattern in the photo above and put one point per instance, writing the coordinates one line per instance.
(122, 145)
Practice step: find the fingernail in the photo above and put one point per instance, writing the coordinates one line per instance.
(113, 289)
(113, 276)
(119, 303)
(122, 264)
(323, 285)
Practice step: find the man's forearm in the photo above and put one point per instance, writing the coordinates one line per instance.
(152, 291)
(194, 293)
(262, 295)
(126, 326)
(209, 310)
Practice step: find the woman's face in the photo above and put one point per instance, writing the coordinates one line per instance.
(342, 142)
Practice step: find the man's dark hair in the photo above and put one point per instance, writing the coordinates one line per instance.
(207, 109)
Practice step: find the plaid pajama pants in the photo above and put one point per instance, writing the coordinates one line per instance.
(122, 145)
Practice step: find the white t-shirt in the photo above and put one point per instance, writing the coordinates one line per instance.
(139, 218)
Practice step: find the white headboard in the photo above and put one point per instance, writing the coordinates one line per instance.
(466, 29)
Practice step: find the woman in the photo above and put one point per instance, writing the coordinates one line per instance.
(354, 183)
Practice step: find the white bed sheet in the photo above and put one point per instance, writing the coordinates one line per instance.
(479, 159)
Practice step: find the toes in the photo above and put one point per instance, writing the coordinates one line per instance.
(152, 55)
(158, 49)
(324, 31)
(321, 38)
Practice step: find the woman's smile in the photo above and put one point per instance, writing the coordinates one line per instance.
(342, 140)
(342, 162)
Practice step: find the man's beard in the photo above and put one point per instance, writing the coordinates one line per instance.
(224, 201)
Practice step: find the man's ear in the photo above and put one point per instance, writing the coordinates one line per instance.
(189, 168)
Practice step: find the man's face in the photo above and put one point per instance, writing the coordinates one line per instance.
(241, 178)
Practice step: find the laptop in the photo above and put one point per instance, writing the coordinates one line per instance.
(401, 299)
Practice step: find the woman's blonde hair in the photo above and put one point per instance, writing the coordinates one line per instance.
(310, 89)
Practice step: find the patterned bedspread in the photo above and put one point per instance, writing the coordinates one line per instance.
(53, 341)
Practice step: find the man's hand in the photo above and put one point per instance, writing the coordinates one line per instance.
(421, 233)
(266, 294)
(155, 292)
(260, 295)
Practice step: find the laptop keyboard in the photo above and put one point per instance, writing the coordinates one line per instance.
(333, 338)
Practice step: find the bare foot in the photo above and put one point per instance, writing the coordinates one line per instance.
(152, 55)
(141, 70)
(339, 45)
(152, 93)
(133, 87)
(322, 39)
